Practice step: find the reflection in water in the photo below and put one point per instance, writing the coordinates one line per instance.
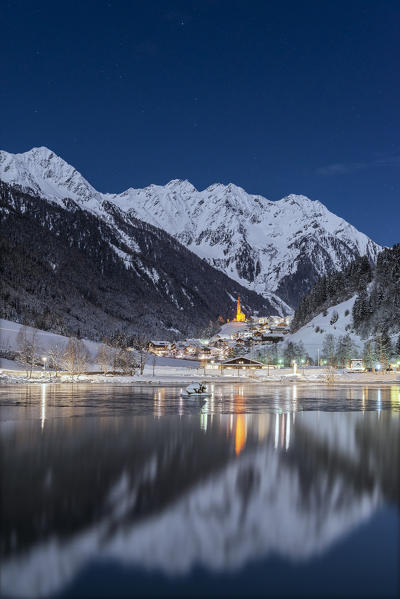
(154, 482)
(240, 433)
(43, 406)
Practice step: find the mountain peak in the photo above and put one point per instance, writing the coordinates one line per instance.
(304, 203)
(42, 150)
(228, 188)
(37, 153)
(44, 172)
(294, 198)
(181, 185)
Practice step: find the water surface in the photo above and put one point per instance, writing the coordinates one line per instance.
(117, 491)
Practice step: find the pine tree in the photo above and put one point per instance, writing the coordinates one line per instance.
(334, 317)
(289, 353)
(329, 349)
(397, 348)
(369, 354)
(383, 348)
(345, 350)
(361, 308)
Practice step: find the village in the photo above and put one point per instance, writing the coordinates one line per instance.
(234, 346)
(253, 343)
(255, 347)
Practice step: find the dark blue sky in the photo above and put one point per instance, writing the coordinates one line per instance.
(278, 97)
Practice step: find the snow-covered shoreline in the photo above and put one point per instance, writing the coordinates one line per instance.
(282, 377)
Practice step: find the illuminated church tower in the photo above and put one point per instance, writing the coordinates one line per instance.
(240, 316)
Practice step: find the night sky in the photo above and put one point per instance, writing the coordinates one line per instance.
(277, 97)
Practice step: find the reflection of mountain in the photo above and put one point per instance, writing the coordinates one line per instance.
(175, 495)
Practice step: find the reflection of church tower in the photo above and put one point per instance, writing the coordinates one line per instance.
(240, 316)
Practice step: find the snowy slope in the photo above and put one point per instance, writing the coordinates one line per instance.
(47, 174)
(265, 245)
(313, 338)
(9, 331)
(8, 340)
(275, 248)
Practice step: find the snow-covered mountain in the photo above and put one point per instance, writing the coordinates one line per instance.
(277, 248)
(69, 270)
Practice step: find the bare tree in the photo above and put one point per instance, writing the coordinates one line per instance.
(105, 357)
(23, 347)
(28, 348)
(127, 361)
(76, 356)
(56, 354)
(118, 342)
(82, 356)
(141, 344)
(69, 356)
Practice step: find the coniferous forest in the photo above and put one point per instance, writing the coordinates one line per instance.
(377, 290)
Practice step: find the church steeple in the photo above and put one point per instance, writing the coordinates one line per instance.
(240, 316)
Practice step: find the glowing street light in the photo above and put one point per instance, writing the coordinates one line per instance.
(44, 359)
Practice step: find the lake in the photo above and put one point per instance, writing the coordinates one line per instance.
(120, 491)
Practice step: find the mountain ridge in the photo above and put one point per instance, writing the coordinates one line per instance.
(63, 268)
(276, 248)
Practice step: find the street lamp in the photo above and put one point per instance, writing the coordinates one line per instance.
(44, 362)
(302, 361)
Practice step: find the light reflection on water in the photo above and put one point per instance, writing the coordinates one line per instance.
(162, 484)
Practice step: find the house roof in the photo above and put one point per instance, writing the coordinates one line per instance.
(274, 334)
(241, 360)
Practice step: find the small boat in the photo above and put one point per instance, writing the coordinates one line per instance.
(197, 390)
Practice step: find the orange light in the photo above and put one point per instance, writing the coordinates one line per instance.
(240, 316)
(240, 433)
